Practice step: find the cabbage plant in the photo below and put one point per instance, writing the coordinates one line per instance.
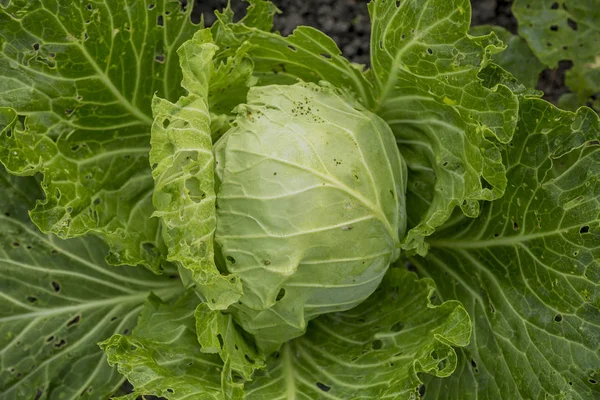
(224, 212)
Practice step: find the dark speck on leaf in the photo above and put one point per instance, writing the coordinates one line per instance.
(323, 387)
(74, 321)
(558, 318)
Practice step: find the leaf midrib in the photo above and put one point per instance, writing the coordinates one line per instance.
(469, 243)
(139, 297)
(289, 372)
(136, 112)
(390, 82)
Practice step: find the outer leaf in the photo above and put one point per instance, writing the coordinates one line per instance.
(584, 81)
(259, 14)
(518, 59)
(425, 68)
(306, 54)
(184, 167)
(57, 300)
(373, 351)
(81, 76)
(565, 30)
(218, 333)
(162, 356)
(528, 268)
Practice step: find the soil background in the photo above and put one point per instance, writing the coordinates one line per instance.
(347, 22)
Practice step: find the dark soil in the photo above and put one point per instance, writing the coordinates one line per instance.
(347, 22)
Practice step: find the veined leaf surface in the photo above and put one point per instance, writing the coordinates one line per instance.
(447, 123)
(528, 269)
(80, 76)
(58, 299)
(373, 351)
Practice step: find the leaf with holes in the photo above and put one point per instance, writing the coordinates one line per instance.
(306, 54)
(183, 170)
(566, 30)
(80, 76)
(528, 269)
(518, 59)
(218, 333)
(57, 300)
(374, 351)
(446, 122)
(162, 356)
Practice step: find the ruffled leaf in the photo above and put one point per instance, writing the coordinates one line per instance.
(58, 299)
(528, 270)
(446, 121)
(183, 170)
(307, 54)
(80, 76)
(218, 333)
(376, 350)
(162, 357)
(373, 351)
(518, 59)
(565, 30)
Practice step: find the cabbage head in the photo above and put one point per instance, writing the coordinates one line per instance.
(310, 206)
